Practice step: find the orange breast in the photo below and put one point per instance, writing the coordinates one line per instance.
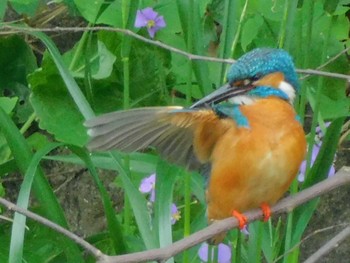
(255, 165)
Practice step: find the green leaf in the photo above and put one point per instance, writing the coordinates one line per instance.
(27, 7)
(165, 180)
(317, 173)
(89, 9)
(138, 204)
(19, 221)
(139, 162)
(8, 104)
(250, 30)
(54, 106)
(101, 61)
(3, 6)
(43, 192)
(331, 5)
(16, 62)
(114, 227)
(149, 71)
(330, 108)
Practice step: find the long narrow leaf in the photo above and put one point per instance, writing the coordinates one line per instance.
(19, 221)
(166, 177)
(42, 190)
(138, 205)
(318, 172)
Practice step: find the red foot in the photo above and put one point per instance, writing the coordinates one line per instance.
(242, 219)
(266, 211)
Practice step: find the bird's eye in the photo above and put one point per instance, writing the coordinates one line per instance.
(255, 77)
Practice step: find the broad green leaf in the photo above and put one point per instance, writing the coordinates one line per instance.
(8, 104)
(16, 62)
(101, 61)
(54, 106)
(112, 15)
(27, 7)
(330, 108)
(250, 30)
(89, 9)
(331, 5)
(272, 11)
(3, 6)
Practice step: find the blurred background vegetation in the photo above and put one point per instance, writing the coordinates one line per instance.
(54, 77)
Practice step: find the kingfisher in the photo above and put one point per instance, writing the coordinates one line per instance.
(245, 134)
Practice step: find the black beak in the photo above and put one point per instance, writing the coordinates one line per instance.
(223, 93)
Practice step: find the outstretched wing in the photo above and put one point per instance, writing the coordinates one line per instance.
(181, 136)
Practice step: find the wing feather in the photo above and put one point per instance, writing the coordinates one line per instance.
(171, 130)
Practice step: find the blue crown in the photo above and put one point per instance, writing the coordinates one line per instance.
(262, 61)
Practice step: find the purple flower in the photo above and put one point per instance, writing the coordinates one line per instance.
(149, 18)
(224, 253)
(175, 214)
(147, 185)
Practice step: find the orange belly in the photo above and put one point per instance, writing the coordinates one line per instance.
(255, 165)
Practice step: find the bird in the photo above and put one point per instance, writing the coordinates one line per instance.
(245, 135)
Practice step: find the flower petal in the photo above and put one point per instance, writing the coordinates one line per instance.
(141, 20)
(203, 252)
(224, 253)
(149, 13)
(147, 183)
(152, 31)
(160, 22)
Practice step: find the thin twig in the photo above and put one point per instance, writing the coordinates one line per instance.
(329, 246)
(286, 205)
(324, 73)
(328, 61)
(8, 29)
(316, 232)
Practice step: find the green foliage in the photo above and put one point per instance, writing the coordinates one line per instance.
(106, 71)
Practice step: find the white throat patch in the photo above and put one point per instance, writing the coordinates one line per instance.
(288, 89)
(242, 100)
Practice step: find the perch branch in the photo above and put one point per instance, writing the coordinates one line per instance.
(160, 254)
(8, 29)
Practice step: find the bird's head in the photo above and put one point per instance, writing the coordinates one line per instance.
(261, 73)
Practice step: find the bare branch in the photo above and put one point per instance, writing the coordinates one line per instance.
(8, 29)
(324, 73)
(286, 205)
(332, 59)
(329, 246)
